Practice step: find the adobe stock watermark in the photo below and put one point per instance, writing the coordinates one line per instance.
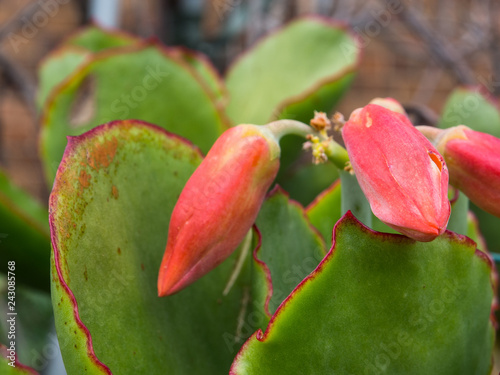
(139, 93)
(31, 25)
(381, 18)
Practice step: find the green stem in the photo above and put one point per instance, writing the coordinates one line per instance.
(459, 211)
(335, 152)
(353, 199)
(337, 155)
(280, 128)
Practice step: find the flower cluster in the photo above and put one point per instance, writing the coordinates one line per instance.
(402, 170)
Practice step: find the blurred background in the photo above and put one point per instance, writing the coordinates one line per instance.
(417, 53)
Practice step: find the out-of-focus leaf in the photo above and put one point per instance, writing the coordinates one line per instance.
(60, 63)
(94, 38)
(306, 66)
(382, 303)
(303, 67)
(9, 367)
(305, 182)
(207, 73)
(143, 82)
(34, 322)
(109, 212)
(24, 235)
(56, 67)
(471, 106)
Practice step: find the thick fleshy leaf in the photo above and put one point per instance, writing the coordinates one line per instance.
(24, 235)
(473, 107)
(109, 213)
(290, 249)
(303, 67)
(9, 367)
(94, 38)
(56, 67)
(60, 63)
(474, 233)
(206, 71)
(382, 303)
(306, 181)
(144, 82)
(488, 225)
(326, 210)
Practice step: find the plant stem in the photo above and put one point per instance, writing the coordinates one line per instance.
(459, 211)
(337, 155)
(353, 199)
(335, 152)
(283, 127)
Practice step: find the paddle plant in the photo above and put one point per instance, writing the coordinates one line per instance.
(176, 248)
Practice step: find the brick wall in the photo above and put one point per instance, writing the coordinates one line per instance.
(383, 72)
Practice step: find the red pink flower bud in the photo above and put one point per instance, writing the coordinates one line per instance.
(473, 159)
(402, 175)
(218, 205)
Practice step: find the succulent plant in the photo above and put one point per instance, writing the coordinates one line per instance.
(250, 280)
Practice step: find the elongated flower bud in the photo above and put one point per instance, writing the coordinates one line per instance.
(218, 205)
(402, 175)
(474, 162)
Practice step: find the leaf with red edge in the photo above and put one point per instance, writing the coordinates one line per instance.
(302, 67)
(290, 248)
(10, 366)
(75, 49)
(109, 215)
(24, 235)
(144, 81)
(382, 303)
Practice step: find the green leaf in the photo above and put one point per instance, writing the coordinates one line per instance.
(109, 212)
(205, 70)
(472, 107)
(305, 66)
(145, 83)
(24, 235)
(60, 63)
(488, 225)
(382, 304)
(290, 249)
(56, 67)
(305, 182)
(17, 369)
(326, 210)
(94, 38)
(459, 221)
(474, 233)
